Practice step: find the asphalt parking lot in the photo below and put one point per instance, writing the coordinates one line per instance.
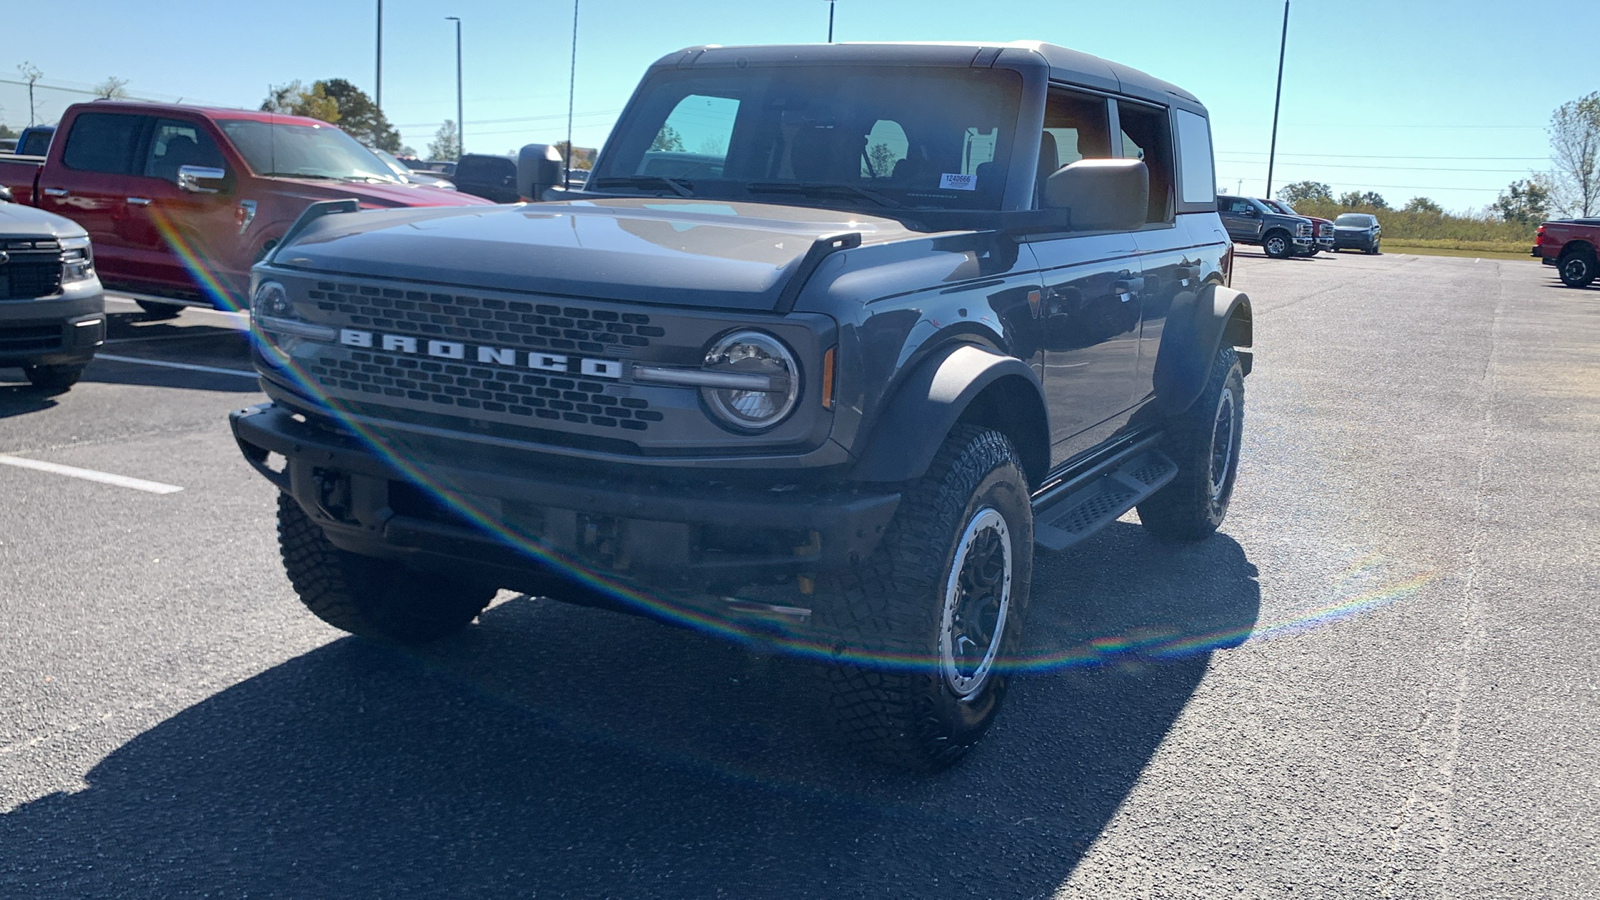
(1381, 679)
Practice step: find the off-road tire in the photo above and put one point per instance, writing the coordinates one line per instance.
(54, 378)
(370, 597)
(1277, 244)
(154, 311)
(1577, 268)
(889, 695)
(1194, 503)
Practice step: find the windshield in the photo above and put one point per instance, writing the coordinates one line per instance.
(304, 151)
(1353, 220)
(1280, 206)
(858, 136)
(394, 165)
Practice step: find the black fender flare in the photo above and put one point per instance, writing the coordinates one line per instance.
(914, 420)
(1197, 325)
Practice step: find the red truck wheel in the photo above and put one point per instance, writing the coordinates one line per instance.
(1577, 268)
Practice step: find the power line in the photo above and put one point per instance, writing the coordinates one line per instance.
(1371, 156)
(1336, 185)
(514, 120)
(1390, 168)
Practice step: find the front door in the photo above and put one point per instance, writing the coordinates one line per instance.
(179, 234)
(1091, 309)
(1240, 217)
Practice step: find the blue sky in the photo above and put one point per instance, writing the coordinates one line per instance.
(1441, 99)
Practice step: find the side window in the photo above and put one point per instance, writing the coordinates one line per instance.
(693, 141)
(1076, 126)
(1194, 151)
(176, 144)
(103, 142)
(1147, 136)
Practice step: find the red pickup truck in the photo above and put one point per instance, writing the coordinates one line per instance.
(1570, 245)
(180, 201)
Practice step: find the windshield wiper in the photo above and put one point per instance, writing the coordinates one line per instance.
(309, 175)
(821, 191)
(643, 181)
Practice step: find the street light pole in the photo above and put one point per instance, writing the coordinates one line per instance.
(461, 125)
(572, 81)
(1283, 44)
(378, 81)
(830, 21)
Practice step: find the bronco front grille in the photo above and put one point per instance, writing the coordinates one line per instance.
(504, 391)
(512, 323)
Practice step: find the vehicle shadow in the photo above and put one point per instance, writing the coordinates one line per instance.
(24, 398)
(567, 752)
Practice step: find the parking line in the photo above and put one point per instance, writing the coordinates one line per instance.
(189, 367)
(138, 484)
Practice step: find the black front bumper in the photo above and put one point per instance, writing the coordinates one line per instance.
(511, 522)
(52, 331)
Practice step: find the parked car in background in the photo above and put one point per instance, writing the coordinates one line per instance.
(432, 166)
(1249, 221)
(488, 176)
(408, 175)
(1357, 231)
(1323, 232)
(180, 201)
(34, 140)
(52, 311)
(1570, 245)
(8, 145)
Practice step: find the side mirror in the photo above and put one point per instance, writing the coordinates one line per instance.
(538, 170)
(5, 195)
(190, 178)
(1102, 194)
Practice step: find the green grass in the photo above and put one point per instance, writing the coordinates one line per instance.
(1437, 231)
(1445, 248)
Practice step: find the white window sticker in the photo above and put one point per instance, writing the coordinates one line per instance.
(949, 182)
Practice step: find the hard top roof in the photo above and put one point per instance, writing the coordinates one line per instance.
(210, 112)
(1065, 65)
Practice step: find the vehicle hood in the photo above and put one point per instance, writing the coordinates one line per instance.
(647, 250)
(380, 196)
(17, 220)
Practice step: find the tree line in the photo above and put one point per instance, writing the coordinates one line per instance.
(1570, 187)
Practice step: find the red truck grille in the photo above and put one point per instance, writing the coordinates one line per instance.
(29, 269)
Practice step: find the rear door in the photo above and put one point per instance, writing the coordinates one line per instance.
(88, 181)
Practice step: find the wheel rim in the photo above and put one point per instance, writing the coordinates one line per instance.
(977, 600)
(1275, 245)
(1575, 268)
(1222, 444)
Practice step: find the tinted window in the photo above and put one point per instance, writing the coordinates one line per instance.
(103, 142)
(1194, 152)
(37, 143)
(1146, 136)
(486, 170)
(1078, 127)
(177, 144)
(1353, 220)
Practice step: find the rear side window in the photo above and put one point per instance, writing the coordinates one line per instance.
(1194, 150)
(486, 171)
(104, 142)
(1147, 136)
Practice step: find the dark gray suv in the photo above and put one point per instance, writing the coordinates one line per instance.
(831, 341)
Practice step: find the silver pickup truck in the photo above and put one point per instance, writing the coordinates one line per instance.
(52, 311)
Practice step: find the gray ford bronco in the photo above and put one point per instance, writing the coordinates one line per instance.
(833, 338)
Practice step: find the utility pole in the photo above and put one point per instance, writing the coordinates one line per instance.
(572, 81)
(830, 21)
(378, 81)
(461, 125)
(1283, 43)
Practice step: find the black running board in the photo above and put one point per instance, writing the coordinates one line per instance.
(1080, 506)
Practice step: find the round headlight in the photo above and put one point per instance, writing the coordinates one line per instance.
(272, 299)
(766, 383)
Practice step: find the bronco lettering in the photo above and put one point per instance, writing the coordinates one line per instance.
(498, 356)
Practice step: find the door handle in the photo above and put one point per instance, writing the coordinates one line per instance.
(1125, 288)
(138, 201)
(57, 192)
